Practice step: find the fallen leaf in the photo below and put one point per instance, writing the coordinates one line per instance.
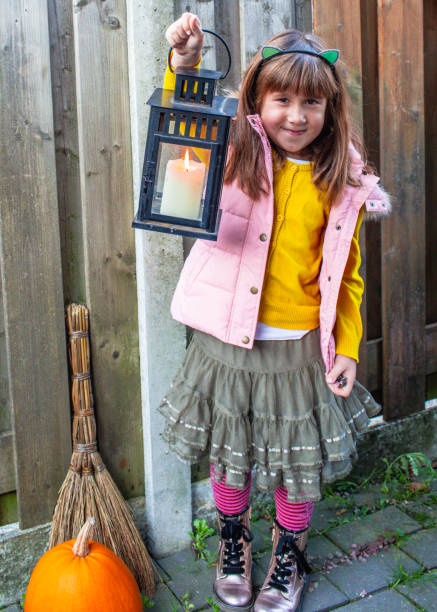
(340, 512)
(415, 486)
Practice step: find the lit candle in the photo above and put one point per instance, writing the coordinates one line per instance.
(183, 188)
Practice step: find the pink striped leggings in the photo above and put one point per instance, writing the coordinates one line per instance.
(292, 516)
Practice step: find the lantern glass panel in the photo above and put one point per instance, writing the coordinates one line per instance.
(181, 179)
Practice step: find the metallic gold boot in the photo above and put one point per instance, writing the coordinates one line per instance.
(287, 575)
(233, 582)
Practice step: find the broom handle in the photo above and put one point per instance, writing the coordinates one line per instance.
(84, 431)
(79, 353)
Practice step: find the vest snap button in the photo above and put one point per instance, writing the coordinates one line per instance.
(338, 227)
(263, 237)
(245, 339)
(329, 278)
(254, 290)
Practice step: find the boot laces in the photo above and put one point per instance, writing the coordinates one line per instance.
(288, 556)
(232, 532)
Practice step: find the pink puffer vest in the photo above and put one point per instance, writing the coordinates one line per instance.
(219, 289)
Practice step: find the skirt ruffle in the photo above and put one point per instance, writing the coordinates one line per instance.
(268, 407)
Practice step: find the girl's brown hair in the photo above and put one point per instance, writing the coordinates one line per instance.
(309, 76)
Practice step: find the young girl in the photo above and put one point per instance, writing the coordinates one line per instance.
(269, 376)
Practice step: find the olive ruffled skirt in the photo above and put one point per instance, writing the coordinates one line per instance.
(268, 407)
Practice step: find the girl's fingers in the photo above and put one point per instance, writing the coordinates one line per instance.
(176, 39)
(342, 384)
(178, 34)
(341, 391)
(194, 25)
(186, 24)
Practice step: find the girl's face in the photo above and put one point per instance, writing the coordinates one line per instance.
(292, 121)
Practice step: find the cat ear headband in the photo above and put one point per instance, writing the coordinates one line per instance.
(329, 56)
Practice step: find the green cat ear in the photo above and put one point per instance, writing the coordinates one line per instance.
(270, 52)
(330, 55)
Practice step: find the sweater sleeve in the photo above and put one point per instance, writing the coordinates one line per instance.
(348, 328)
(169, 79)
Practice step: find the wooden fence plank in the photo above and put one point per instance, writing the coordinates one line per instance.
(227, 24)
(374, 349)
(369, 29)
(261, 20)
(107, 203)
(339, 23)
(66, 145)
(5, 408)
(302, 15)
(403, 233)
(7, 471)
(430, 49)
(31, 263)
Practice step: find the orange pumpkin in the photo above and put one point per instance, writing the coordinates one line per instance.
(82, 576)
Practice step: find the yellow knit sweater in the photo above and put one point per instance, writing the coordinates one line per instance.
(291, 296)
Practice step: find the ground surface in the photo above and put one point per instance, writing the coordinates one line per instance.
(370, 551)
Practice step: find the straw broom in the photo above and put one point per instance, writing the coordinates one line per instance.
(88, 489)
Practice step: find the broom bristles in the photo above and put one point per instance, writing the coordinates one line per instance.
(88, 488)
(61, 530)
(132, 549)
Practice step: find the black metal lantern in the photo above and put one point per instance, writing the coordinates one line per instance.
(185, 156)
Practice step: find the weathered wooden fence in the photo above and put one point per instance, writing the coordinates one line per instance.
(68, 179)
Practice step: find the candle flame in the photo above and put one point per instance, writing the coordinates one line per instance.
(187, 161)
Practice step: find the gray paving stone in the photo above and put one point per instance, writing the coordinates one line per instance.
(164, 600)
(322, 595)
(262, 535)
(263, 561)
(424, 514)
(259, 571)
(13, 608)
(372, 575)
(384, 601)
(211, 546)
(423, 547)
(423, 593)
(370, 527)
(324, 516)
(369, 497)
(189, 576)
(321, 551)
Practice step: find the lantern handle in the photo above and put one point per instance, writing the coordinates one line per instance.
(226, 47)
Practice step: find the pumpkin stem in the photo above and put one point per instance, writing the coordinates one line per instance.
(81, 546)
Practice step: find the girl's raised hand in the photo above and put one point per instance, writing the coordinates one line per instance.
(186, 38)
(345, 367)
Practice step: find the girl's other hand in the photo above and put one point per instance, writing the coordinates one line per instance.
(186, 38)
(346, 367)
